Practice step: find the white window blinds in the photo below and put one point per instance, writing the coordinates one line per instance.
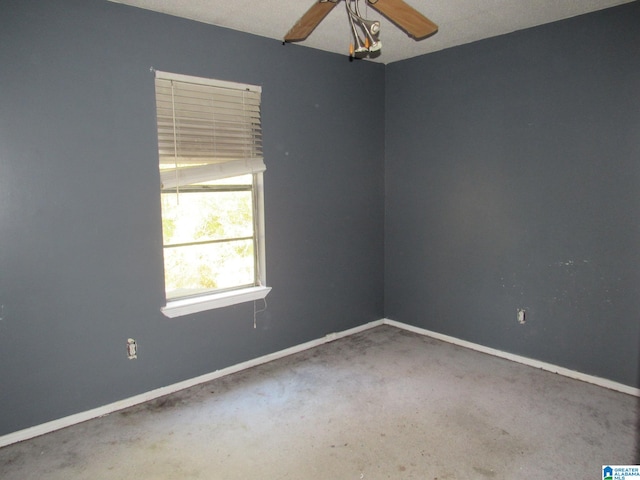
(207, 129)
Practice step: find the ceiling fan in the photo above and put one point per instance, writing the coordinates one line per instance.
(365, 32)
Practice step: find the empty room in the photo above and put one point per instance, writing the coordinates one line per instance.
(372, 252)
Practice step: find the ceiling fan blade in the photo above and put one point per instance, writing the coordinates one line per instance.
(406, 17)
(310, 20)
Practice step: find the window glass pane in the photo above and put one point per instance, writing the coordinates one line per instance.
(190, 216)
(197, 269)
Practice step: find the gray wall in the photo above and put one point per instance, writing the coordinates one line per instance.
(80, 232)
(512, 181)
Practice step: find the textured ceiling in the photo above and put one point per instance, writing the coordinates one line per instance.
(460, 21)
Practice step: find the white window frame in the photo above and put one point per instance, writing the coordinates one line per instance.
(190, 305)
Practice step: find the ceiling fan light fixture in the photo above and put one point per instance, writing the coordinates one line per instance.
(370, 28)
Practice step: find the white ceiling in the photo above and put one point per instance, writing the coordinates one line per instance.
(460, 21)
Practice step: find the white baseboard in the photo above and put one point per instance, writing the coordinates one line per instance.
(60, 423)
(74, 419)
(602, 382)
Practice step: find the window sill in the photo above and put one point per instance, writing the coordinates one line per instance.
(178, 308)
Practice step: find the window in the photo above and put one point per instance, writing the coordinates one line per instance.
(211, 167)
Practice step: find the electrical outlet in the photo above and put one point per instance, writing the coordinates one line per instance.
(521, 316)
(132, 349)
